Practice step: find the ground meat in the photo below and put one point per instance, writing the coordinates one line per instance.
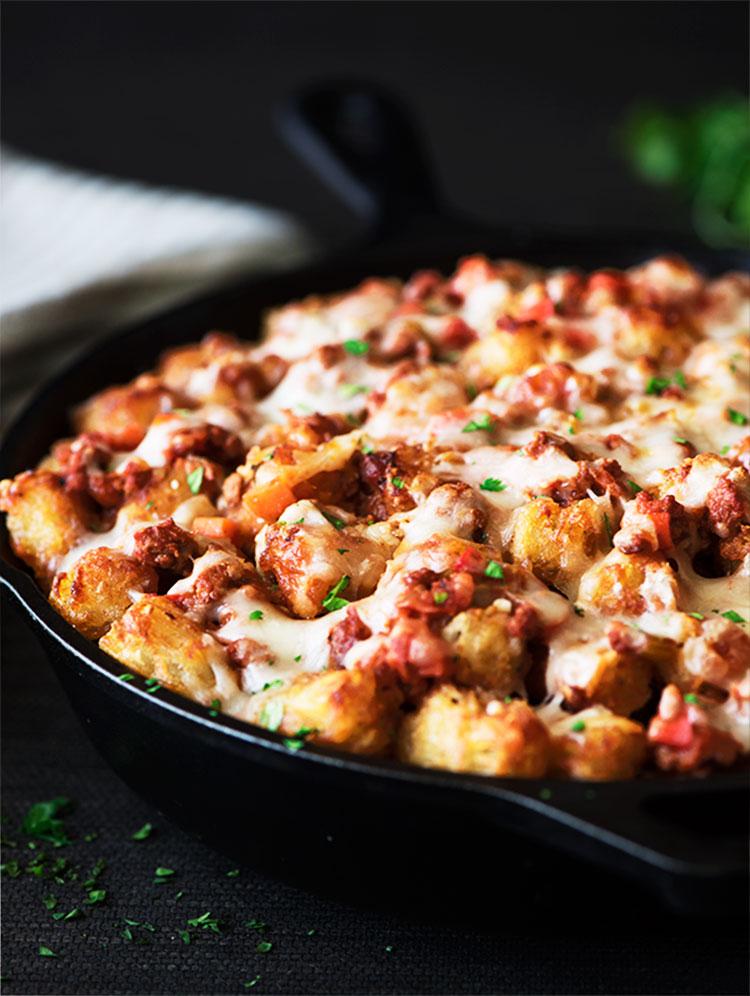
(164, 545)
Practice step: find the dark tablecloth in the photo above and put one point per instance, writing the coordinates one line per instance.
(626, 943)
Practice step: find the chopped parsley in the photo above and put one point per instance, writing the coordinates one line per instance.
(255, 614)
(233, 873)
(578, 610)
(184, 934)
(367, 447)
(545, 793)
(636, 487)
(356, 347)
(733, 616)
(298, 658)
(262, 947)
(215, 708)
(150, 505)
(483, 422)
(398, 482)
(578, 727)
(164, 872)
(679, 379)
(351, 390)
(46, 953)
(253, 982)
(494, 570)
(42, 821)
(332, 601)
(342, 550)
(492, 484)
(681, 440)
(50, 902)
(272, 684)
(272, 714)
(125, 677)
(96, 896)
(657, 385)
(207, 922)
(696, 615)
(143, 833)
(578, 413)
(195, 480)
(439, 597)
(737, 417)
(692, 698)
(471, 391)
(338, 523)
(724, 449)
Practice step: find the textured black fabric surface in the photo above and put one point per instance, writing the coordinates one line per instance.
(513, 945)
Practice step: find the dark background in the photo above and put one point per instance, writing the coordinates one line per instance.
(518, 102)
(519, 105)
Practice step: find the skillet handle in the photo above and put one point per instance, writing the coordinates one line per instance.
(362, 144)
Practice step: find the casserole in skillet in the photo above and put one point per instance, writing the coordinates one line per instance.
(496, 522)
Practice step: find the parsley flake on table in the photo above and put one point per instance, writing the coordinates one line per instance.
(125, 677)
(207, 922)
(255, 614)
(252, 982)
(332, 601)
(271, 715)
(233, 873)
(492, 484)
(46, 953)
(164, 872)
(185, 935)
(733, 616)
(483, 422)
(494, 570)
(195, 480)
(258, 925)
(356, 347)
(143, 833)
(42, 821)
(50, 901)
(96, 896)
(262, 947)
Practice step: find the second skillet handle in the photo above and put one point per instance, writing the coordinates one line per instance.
(363, 146)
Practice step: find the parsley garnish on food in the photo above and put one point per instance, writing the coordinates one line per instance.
(356, 347)
(578, 610)
(681, 440)
(398, 482)
(42, 821)
(271, 715)
(255, 614)
(367, 447)
(737, 417)
(657, 385)
(298, 657)
(636, 487)
(696, 615)
(494, 570)
(338, 523)
(195, 480)
(351, 390)
(143, 833)
(342, 550)
(692, 698)
(332, 601)
(608, 529)
(278, 683)
(724, 449)
(483, 422)
(733, 616)
(679, 379)
(492, 484)
(578, 726)
(439, 597)
(258, 925)
(578, 413)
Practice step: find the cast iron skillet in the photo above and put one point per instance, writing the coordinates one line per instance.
(361, 827)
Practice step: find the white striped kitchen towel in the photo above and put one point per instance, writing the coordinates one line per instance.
(80, 254)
